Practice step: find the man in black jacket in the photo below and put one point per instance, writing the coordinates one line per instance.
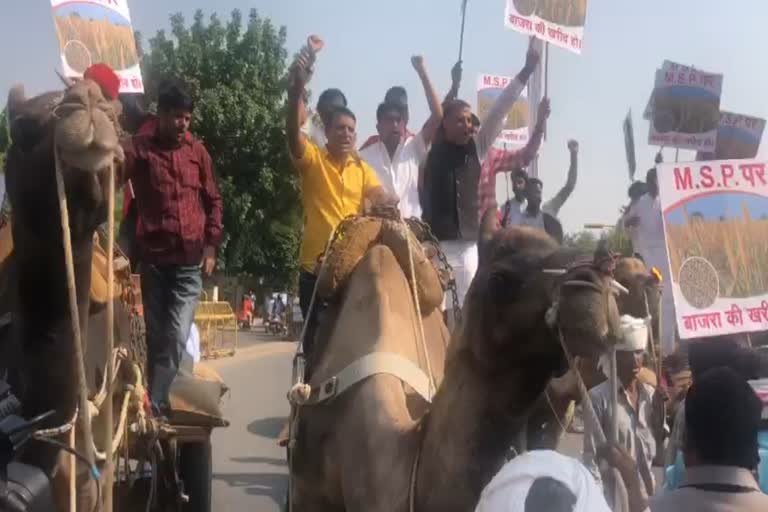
(452, 175)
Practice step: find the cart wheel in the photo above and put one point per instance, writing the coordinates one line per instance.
(195, 470)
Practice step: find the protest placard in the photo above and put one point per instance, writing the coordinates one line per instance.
(98, 31)
(686, 108)
(560, 22)
(515, 131)
(629, 145)
(738, 136)
(668, 65)
(716, 227)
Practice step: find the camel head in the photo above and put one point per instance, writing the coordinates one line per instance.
(528, 292)
(644, 288)
(80, 128)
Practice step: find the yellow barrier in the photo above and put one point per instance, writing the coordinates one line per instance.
(216, 320)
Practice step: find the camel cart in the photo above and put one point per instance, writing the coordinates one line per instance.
(216, 322)
(161, 463)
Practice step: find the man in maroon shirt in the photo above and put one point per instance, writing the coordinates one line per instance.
(178, 230)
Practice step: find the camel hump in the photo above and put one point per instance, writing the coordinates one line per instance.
(358, 237)
(375, 313)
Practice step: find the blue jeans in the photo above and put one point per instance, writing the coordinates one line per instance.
(170, 295)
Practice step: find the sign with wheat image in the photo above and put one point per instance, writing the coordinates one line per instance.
(716, 227)
(685, 108)
(515, 131)
(98, 31)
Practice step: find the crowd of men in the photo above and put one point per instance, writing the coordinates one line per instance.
(445, 174)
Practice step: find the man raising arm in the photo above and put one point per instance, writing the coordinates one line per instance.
(396, 156)
(335, 182)
(553, 206)
(514, 161)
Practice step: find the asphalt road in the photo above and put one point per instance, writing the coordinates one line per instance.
(249, 469)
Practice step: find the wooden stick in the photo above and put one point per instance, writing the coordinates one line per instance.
(83, 416)
(72, 472)
(546, 81)
(108, 405)
(546, 70)
(85, 422)
(613, 434)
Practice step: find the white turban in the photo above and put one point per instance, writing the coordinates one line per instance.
(509, 488)
(634, 337)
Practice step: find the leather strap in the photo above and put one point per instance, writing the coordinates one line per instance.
(724, 488)
(368, 366)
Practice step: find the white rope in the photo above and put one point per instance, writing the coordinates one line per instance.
(417, 305)
(60, 430)
(85, 423)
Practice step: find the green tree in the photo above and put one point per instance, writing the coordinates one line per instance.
(586, 241)
(5, 140)
(236, 73)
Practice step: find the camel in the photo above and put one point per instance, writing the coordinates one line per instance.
(548, 417)
(83, 128)
(380, 445)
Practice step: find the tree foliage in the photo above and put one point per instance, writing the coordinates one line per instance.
(586, 241)
(235, 71)
(5, 140)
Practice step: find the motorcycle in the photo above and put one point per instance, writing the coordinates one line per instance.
(277, 326)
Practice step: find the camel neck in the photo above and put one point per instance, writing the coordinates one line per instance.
(472, 424)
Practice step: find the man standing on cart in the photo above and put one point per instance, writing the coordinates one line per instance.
(179, 228)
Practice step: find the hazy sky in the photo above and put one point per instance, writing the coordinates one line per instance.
(369, 44)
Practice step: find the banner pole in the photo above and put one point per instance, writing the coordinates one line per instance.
(546, 70)
(463, 23)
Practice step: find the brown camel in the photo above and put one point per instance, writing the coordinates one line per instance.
(83, 127)
(359, 451)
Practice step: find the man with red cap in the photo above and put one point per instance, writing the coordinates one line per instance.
(107, 79)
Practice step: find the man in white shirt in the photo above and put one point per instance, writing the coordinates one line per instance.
(396, 156)
(646, 221)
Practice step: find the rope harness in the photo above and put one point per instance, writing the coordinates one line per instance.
(302, 394)
(86, 409)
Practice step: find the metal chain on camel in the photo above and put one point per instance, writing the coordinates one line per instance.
(419, 226)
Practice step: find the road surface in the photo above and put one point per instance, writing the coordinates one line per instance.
(249, 469)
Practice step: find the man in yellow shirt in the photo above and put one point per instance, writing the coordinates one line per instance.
(335, 181)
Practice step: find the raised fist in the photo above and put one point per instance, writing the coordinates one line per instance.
(456, 73)
(544, 109)
(573, 146)
(418, 62)
(532, 57)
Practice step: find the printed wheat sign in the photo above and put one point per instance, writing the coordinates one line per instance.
(716, 226)
(91, 32)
